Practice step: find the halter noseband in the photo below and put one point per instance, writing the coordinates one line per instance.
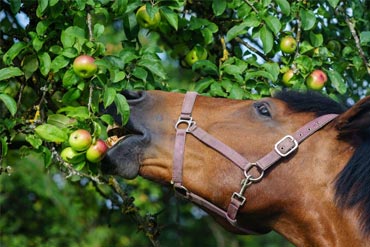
(282, 148)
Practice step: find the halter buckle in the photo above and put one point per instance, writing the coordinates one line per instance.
(286, 145)
(188, 121)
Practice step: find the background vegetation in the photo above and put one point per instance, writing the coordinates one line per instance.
(45, 201)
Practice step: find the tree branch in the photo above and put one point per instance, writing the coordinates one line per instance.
(252, 49)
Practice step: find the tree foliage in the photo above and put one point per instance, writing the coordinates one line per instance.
(220, 48)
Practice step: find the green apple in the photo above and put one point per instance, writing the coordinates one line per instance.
(288, 44)
(195, 54)
(96, 151)
(72, 156)
(286, 78)
(80, 140)
(145, 20)
(316, 80)
(84, 66)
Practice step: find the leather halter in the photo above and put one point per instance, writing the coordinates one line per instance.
(282, 148)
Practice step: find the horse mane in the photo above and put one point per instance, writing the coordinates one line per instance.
(352, 185)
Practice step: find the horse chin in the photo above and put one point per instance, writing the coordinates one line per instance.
(123, 158)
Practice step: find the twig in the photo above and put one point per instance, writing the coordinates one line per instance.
(252, 49)
(351, 27)
(89, 26)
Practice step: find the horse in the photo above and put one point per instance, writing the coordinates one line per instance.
(297, 163)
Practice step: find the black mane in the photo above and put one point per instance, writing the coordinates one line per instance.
(310, 101)
(352, 185)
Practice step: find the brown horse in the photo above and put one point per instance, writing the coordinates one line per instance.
(297, 163)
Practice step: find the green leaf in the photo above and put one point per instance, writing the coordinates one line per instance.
(42, 26)
(122, 107)
(70, 96)
(266, 38)
(34, 140)
(365, 37)
(203, 84)
(60, 120)
(205, 67)
(284, 6)
(308, 19)
(9, 102)
(333, 3)
(48, 157)
(108, 119)
(170, 16)
(237, 30)
(15, 6)
(316, 39)
(273, 69)
(337, 81)
(4, 146)
(257, 74)
(30, 65)
(79, 112)
(207, 35)
(43, 4)
(45, 63)
(154, 67)
(70, 78)
(58, 63)
(219, 7)
(140, 73)
(10, 72)
(109, 96)
(51, 133)
(13, 52)
(70, 35)
(273, 24)
(98, 30)
(119, 6)
(236, 92)
(217, 90)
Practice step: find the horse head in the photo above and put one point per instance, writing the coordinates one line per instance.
(315, 195)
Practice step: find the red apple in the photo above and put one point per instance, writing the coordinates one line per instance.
(316, 80)
(286, 78)
(288, 44)
(84, 66)
(96, 151)
(80, 140)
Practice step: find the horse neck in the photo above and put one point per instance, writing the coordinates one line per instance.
(310, 216)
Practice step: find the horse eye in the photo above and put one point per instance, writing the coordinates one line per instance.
(262, 109)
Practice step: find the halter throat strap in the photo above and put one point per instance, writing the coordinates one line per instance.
(286, 146)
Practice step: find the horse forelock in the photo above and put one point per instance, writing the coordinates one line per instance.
(310, 101)
(352, 184)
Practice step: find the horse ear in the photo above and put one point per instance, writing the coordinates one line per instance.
(356, 120)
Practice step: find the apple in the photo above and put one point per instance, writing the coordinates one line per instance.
(287, 76)
(288, 44)
(316, 80)
(96, 151)
(72, 156)
(80, 140)
(196, 54)
(144, 19)
(84, 66)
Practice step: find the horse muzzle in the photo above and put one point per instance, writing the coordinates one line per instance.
(127, 142)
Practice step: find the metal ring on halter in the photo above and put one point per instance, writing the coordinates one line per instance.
(250, 177)
(189, 122)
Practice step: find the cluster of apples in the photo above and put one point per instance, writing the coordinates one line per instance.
(82, 147)
(315, 81)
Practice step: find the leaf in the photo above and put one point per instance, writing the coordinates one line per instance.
(30, 65)
(45, 63)
(273, 69)
(236, 92)
(153, 67)
(4, 146)
(140, 73)
(266, 38)
(203, 84)
(308, 19)
(122, 107)
(273, 24)
(284, 6)
(79, 112)
(219, 7)
(13, 52)
(337, 81)
(15, 6)
(70, 78)
(9, 102)
(70, 35)
(60, 120)
(58, 63)
(43, 4)
(108, 119)
(34, 140)
(205, 67)
(10, 72)
(236, 31)
(333, 3)
(316, 39)
(51, 133)
(365, 37)
(98, 30)
(109, 96)
(170, 16)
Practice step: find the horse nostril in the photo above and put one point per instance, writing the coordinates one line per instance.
(133, 96)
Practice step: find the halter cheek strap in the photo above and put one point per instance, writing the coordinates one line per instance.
(186, 125)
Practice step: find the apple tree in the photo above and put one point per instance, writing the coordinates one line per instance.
(62, 61)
